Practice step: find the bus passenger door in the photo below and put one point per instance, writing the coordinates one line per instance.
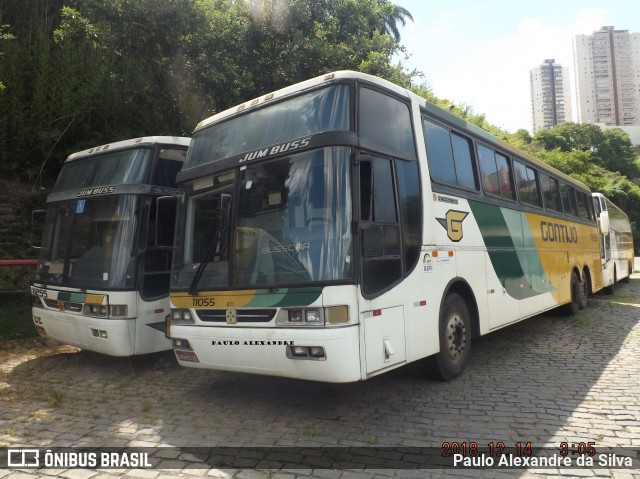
(604, 226)
(384, 338)
(381, 264)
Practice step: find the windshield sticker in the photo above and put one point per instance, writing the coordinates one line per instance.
(275, 149)
(96, 191)
(80, 207)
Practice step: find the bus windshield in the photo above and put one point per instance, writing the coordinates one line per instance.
(89, 243)
(292, 225)
(126, 166)
(318, 111)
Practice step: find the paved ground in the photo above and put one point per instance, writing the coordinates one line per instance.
(546, 380)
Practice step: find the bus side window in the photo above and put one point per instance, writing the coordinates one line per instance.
(167, 170)
(380, 230)
(550, 193)
(449, 156)
(495, 173)
(385, 124)
(583, 206)
(526, 184)
(568, 199)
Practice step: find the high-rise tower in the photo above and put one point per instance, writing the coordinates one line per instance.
(550, 97)
(607, 69)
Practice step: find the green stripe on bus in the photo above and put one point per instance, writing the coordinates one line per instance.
(512, 253)
(73, 297)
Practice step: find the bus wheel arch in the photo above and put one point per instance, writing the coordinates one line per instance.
(458, 323)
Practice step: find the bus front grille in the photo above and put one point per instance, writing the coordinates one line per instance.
(241, 316)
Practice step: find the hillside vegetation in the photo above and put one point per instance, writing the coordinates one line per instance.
(79, 73)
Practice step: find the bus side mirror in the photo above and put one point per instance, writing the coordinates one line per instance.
(604, 222)
(37, 228)
(166, 208)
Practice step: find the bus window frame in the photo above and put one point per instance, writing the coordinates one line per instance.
(536, 173)
(472, 153)
(379, 148)
(513, 199)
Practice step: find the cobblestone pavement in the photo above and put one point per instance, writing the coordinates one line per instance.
(545, 380)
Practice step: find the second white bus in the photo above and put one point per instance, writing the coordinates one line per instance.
(616, 242)
(102, 280)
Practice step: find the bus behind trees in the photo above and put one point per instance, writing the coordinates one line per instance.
(343, 227)
(616, 242)
(102, 279)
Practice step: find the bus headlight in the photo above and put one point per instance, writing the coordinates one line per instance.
(330, 316)
(97, 310)
(181, 316)
(296, 316)
(313, 316)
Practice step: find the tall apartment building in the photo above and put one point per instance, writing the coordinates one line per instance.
(550, 96)
(607, 70)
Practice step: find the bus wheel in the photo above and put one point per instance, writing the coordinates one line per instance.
(455, 338)
(576, 293)
(584, 285)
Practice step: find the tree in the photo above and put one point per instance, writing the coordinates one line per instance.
(610, 148)
(618, 154)
(86, 72)
(4, 37)
(391, 15)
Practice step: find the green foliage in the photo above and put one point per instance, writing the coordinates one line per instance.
(80, 73)
(610, 148)
(15, 311)
(602, 159)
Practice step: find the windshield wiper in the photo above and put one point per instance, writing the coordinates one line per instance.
(207, 258)
(220, 238)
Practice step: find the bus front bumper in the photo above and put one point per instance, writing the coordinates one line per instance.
(329, 355)
(115, 337)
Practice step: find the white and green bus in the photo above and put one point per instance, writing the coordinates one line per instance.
(102, 279)
(616, 242)
(343, 227)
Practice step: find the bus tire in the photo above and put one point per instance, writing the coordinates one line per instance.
(573, 307)
(455, 338)
(585, 288)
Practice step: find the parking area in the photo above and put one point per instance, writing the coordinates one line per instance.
(547, 380)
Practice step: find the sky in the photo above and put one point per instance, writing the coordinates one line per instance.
(479, 52)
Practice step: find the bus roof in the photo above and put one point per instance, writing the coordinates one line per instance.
(299, 87)
(124, 144)
(427, 105)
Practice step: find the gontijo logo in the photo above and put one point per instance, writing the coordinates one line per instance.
(452, 222)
